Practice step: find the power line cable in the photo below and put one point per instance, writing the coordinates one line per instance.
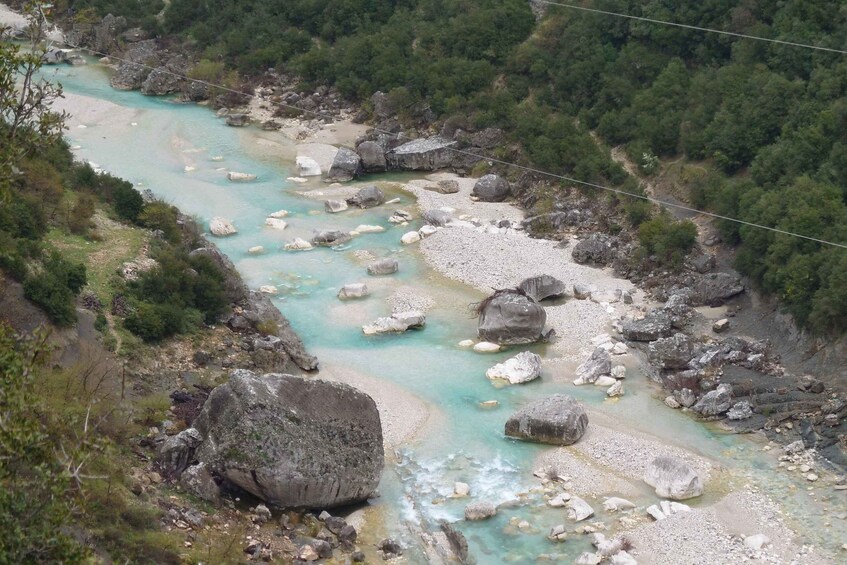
(692, 27)
(464, 152)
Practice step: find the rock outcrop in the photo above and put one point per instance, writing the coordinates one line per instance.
(558, 420)
(510, 317)
(597, 249)
(221, 227)
(715, 402)
(373, 156)
(670, 352)
(292, 442)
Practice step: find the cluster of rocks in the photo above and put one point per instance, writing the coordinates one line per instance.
(398, 322)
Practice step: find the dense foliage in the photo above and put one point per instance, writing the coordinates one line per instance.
(766, 120)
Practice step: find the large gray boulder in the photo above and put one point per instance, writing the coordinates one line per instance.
(372, 155)
(673, 478)
(671, 352)
(292, 442)
(715, 288)
(597, 249)
(367, 197)
(656, 324)
(136, 65)
(558, 420)
(543, 287)
(491, 188)
(346, 166)
(715, 402)
(510, 317)
(428, 154)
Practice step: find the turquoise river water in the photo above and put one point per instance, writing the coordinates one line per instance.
(150, 141)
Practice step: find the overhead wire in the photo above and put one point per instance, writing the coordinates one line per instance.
(691, 27)
(525, 168)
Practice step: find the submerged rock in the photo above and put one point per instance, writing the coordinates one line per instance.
(292, 442)
(335, 206)
(479, 511)
(521, 368)
(354, 290)
(386, 266)
(510, 317)
(558, 420)
(673, 478)
(234, 176)
(543, 287)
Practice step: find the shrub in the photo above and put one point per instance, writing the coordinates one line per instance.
(127, 201)
(668, 239)
(79, 221)
(54, 288)
(162, 217)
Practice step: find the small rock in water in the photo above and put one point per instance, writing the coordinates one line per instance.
(615, 390)
(234, 176)
(559, 501)
(618, 372)
(489, 403)
(522, 368)
(614, 504)
(396, 323)
(221, 227)
(364, 228)
(278, 214)
(298, 244)
(427, 231)
(486, 347)
(461, 489)
(557, 533)
(480, 511)
(558, 420)
(605, 381)
(409, 238)
(673, 478)
(466, 343)
(578, 509)
(257, 250)
(671, 402)
(355, 290)
(587, 558)
(335, 206)
(276, 223)
(383, 267)
(654, 512)
(268, 289)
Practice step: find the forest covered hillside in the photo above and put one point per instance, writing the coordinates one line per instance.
(764, 122)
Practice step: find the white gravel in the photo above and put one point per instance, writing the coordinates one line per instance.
(407, 298)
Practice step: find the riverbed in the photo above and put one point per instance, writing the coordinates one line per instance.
(182, 154)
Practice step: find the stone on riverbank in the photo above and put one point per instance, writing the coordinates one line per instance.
(346, 166)
(599, 364)
(372, 155)
(409, 238)
(521, 368)
(292, 442)
(509, 317)
(670, 352)
(492, 188)
(715, 401)
(578, 509)
(437, 218)
(428, 154)
(543, 287)
(385, 266)
(486, 347)
(673, 478)
(308, 167)
(557, 420)
(654, 325)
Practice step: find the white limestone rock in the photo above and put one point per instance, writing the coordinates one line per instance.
(234, 176)
(298, 244)
(410, 238)
(522, 368)
(486, 347)
(308, 167)
(276, 223)
(578, 509)
(221, 227)
(365, 228)
(353, 290)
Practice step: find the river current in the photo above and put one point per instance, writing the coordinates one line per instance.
(180, 152)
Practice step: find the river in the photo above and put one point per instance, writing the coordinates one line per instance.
(180, 152)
